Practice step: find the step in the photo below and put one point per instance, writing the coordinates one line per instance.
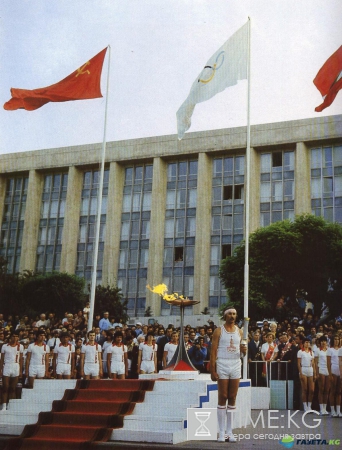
(149, 436)
(165, 424)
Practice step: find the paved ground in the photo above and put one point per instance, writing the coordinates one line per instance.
(253, 437)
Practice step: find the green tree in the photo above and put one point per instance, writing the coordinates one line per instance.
(55, 292)
(284, 258)
(109, 298)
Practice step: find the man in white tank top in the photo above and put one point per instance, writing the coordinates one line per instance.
(225, 368)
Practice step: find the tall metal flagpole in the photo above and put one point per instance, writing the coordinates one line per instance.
(99, 207)
(248, 179)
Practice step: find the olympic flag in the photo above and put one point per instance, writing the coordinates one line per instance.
(225, 68)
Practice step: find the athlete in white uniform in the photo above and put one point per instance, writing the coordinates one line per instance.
(225, 368)
(335, 380)
(91, 358)
(170, 349)
(323, 375)
(117, 358)
(11, 368)
(37, 359)
(64, 358)
(147, 359)
(307, 373)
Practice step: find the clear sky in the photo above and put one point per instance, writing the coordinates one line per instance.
(158, 49)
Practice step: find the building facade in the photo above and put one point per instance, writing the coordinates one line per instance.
(171, 210)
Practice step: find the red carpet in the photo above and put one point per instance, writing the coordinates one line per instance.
(86, 414)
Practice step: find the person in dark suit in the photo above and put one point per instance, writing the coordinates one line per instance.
(255, 369)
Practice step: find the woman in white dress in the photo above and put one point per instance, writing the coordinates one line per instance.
(307, 373)
(323, 374)
(335, 380)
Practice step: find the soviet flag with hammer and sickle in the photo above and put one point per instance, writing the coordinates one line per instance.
(82, 84)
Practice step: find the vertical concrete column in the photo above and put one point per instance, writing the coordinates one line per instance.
(157, 227)
(31, 224)
(71, 220)
(203, 226)
(113, 224)
(302, 179)
(254, 198)
(2, 197)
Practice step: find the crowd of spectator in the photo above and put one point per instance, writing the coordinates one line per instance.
(268, 342)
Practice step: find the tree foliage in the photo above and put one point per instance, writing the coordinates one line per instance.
(56, 292)
(284, 258)
(109, 298)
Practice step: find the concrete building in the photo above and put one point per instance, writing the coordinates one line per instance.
(171, 209)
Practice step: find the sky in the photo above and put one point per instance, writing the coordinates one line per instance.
(158, 48)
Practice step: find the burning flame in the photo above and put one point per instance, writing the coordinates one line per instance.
(161, 289)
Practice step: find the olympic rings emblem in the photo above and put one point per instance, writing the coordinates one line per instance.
(218, 63)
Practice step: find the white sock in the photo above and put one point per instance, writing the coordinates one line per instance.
(338, 409)
(321, 407)
(332, 409)
(324, 407)
(305, 406)
(221, 418)
(3, 407)
(309, 406)
(230, 412)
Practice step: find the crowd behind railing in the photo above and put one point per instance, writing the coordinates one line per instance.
(301, 349)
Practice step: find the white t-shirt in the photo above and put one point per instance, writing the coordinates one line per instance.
(12, 354)
(170, 348)
(333, 353)
(38, 353)
(322, 358)
(117, 352)
(306, 358)
(91, 353)
(148, 351)
(64, 353)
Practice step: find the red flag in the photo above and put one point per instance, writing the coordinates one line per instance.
(82, 84)
(329, 79)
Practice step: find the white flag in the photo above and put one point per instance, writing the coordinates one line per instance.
(223, 69)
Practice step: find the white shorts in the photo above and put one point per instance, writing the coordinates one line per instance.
(117, 367)
(323, 371)
(147, 366)
(11, 370)
(37, 371)
(63, 369)
(335, 370)
(307, 371)
(91, 369)
(228, 369)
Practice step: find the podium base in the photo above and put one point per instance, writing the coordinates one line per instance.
(171, 375)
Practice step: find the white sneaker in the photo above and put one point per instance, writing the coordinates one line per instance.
(221, 437)
(334, 414)
(339, 415)
(324, 413)
(230, 438)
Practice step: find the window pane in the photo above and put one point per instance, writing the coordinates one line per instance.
(146, 206)
(170, 199)
(265, 163)
(316, 188)
(288, 160)
(136, 202)
(169, 225)
(126, 205)
(316, 158)
(191, 226)
(124, 230)
(265, 192)
(277, 191)
(192, 198)
(338, 155)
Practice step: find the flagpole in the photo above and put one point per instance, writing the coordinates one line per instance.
(99, 207)
(248, 179)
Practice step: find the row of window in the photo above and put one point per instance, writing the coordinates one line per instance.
(277, 202)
